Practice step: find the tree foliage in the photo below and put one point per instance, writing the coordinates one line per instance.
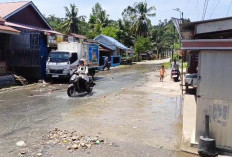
(138, 16)
(134, 29)
(142, 45)
(72, 20)
(110, 31)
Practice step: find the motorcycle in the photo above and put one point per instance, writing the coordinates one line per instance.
(175, 75)
(107, 65)
(79, 85)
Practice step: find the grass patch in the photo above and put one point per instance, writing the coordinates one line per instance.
(167, 65)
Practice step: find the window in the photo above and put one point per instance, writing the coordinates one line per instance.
(73, 58)
(34, 40)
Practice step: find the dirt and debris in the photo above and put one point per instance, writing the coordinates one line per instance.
(21, 144)
(72, 139)
(69, 140)
(20, 80)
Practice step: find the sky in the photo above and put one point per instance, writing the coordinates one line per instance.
(192, 9)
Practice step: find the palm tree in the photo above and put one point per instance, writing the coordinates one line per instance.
(99, 16)
(139, 14)
(71, 24)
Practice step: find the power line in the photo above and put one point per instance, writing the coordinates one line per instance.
(205, 9)
(214, 8)
(197, 8)
(229, 8)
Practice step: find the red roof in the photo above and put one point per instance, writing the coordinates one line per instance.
(11, 7)
(31, 28)
(8, 30)
(2, 21)
(78, 36)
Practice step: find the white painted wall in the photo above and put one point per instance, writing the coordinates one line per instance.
(215, 91)
(214, 26)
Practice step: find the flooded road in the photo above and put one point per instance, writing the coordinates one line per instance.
(128, 106)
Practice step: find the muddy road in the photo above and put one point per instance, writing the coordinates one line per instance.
(128, 107)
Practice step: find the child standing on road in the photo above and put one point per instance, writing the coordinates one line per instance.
(162, 72)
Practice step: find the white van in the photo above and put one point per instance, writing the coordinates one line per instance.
(64, 61)
(61, 64)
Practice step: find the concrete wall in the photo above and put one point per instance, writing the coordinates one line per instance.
(214, 95)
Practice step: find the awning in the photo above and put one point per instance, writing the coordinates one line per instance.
(207, 44)
(32, 28)
(103, 49)
(78, 36)
(8, 30)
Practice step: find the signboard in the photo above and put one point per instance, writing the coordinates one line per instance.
(93, 53)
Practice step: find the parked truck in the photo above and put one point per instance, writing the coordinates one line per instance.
(63, 62)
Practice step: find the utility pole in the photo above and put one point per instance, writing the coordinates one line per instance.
(174, 30)
(182, 63)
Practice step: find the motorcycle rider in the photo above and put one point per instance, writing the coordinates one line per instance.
(106, 62)
(83, 71)
(175, 66)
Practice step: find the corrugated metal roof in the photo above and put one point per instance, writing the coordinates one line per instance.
(114, 43)
(2, 21)
(8, 8)
(78, 36)
(8, 30)
(31, 28)
(11, 8)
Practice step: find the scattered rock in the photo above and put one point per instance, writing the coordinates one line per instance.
(39, 154)
(71, 141)
(21, 144)
(101, 140)
(20, 155)
(69, 147)
(74, 138)
(82, 144)
(75, 146)
(23, 151)
(94, 139)
(88, 146)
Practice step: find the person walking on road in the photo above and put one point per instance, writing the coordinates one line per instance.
(162, 72)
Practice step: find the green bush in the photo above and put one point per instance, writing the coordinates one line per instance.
(142, 45)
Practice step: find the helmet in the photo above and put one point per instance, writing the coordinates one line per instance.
(81, 62)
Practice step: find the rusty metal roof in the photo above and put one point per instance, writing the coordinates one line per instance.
(78, 36)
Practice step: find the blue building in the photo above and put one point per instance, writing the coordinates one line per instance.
(112, 48)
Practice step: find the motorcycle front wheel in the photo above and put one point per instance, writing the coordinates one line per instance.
(71, 90)
(90, 90)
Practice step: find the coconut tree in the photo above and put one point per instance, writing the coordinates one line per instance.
(72, 20)
(138, 14)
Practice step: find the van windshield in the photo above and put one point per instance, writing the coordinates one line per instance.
(59, 57)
